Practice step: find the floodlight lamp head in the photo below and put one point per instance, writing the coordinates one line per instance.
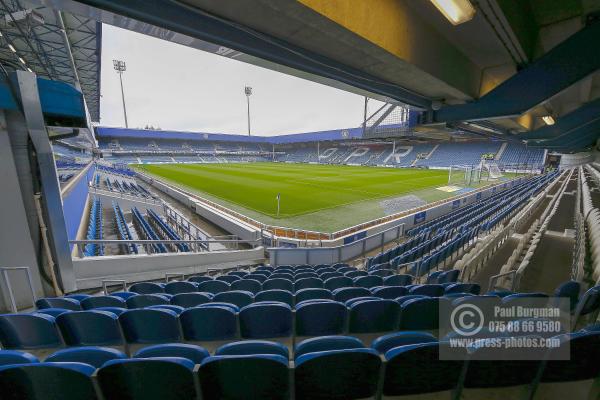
(248, 90)
(119, 65)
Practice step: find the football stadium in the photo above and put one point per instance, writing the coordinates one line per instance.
(342, 199)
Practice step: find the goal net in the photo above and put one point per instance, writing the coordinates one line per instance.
(491, 170)
(464, 175)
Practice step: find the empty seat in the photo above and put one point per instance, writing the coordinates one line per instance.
(448, 276)
(359, 299)
(146, 288)
(150, 326)
(263, 376)
(370, 316)
(188, 351)
(341, 374)
(320, 317)
(10, 357)
(78, 297)
(326, 343)
(311, 294)
(146, 300)
(249, 347)
(417, 370)
(28, 331)
(200, 279)
(58, 302)
(248, 285)
(228, 278)
(368, 281)
(48, 381)
(283, 296)
(345, 294)
(214, 287)
(53, 312)
(90, 328)
(123, 295)
(328, 275)
(308, 283)
(356, 274)
(181, 287)
(257, 277)
(387, 342)
(389, 292)
(238, 297)
(432, 290)
(420, 314)
(102, 301)
(176, 309)
(147, 378)
(115, 310)
(382, 272)
(337, 283)
(398, 280)
(265, 320)
(472, 288)
(278, 283)
(569, 290)
(187, 300)
(208, 322)
(94, 356)
(307, 274)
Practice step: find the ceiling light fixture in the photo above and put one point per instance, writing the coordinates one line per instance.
(455, 11)
(548, 119)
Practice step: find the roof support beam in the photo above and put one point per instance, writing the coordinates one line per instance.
(564, 65)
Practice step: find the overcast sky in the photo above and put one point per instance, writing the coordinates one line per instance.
(180, 88)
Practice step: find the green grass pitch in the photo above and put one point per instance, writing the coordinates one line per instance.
(304, 188)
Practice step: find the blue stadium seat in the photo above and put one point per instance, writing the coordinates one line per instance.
(238, 297)
(344, 294)
(165, 378)
(500, 370)
(307, 274)
(368, 281)
(123, 295)
(389, 292)
(320, 317)
(58, 302)
(387, 342)
(214, 287)
(150, 326)
(90, 328)
(308, 283)
(327, 343)
(257, 277)
(278, 283)
(200, 279)
(417, 369)
(146, 288)
(115, 310)
(587, 307)
(370, 316)
(356, 274)
(181, 287)
(53, 312)
(208, 322)
(431, 290)
(94, 356)
(228, 278)
(448, 276)
(146, 300)
(176, 309)
(342, 374)
(48, 381)
(102, 301)
(398, 280)
(403, 299)
(240, 274)
(433, 277)
(573, 377)
(382, 272)
(338, 283)
(248, 285)
(28, 331)
(328, 275)
(472, 288)
(187, 300)
(569, 290)
(282, 275)
(265, 320)
(283, 296)
(263, 376)
(420, 314)
(353, 300)
(10, 357)
(312, 294)
(78, 297)
(181, 350)
(523, 298)
(250, 347)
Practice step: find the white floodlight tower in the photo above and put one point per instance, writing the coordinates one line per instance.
(120, 67)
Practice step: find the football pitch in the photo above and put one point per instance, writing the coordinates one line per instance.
(315, 197)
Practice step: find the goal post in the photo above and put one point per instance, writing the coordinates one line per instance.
(464, 175)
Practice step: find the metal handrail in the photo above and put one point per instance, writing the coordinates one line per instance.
(105, 285)
(494, 278)
(11, 294)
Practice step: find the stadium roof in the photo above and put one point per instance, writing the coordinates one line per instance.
(55, 45)
(336, 134)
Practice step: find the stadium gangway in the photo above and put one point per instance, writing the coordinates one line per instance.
(80, 244)
(165, 229)
(126, 196)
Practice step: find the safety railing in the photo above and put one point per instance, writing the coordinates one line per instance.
(494, 279)
(11, 292)
(199, 246)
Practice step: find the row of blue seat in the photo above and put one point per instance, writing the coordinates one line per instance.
(94, 231)
(123, 229)
(332, 368)
(166, 230)
(146, 232)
